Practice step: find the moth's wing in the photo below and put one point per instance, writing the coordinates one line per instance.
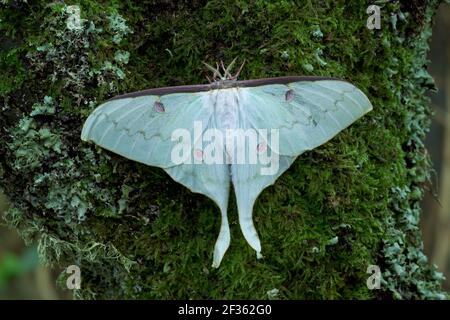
(214, 182)
(248, 182)
(306, 117)
(141, 128)
(306, 113)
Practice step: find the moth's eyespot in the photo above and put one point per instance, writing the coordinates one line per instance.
(261, 147)
(289, 96)
(198, 154)
(159, 107)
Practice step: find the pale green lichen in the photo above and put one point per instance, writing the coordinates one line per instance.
(45, 108)
(118, 26)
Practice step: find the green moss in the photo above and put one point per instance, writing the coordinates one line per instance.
(135, 233)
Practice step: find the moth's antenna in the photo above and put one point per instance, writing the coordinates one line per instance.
(227, 75)
(223, 68)
(228, 69)
(239, 71)
(215, 71)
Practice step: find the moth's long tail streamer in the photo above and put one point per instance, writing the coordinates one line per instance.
(245, 210)
(223, 240)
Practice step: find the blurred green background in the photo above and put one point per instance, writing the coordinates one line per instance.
(22, 277)
(435, 219)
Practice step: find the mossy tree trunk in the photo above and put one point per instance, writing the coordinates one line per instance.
(348, 204)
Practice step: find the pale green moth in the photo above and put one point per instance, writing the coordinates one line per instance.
(297, 114)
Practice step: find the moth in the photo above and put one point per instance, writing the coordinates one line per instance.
(245, 133)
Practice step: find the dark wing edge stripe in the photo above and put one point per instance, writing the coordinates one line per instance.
(206, 87)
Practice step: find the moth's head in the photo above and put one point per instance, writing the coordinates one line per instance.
(226, 77)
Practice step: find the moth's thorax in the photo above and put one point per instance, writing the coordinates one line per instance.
(226, 108)
(224, 84)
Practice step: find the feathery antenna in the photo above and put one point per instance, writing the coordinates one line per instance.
(217, 74)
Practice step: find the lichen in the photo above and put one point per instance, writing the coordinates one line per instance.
(135, 233)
